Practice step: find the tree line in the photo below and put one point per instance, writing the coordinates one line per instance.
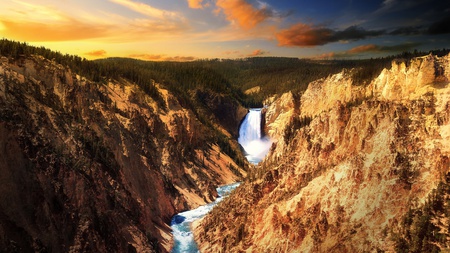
(273, 75)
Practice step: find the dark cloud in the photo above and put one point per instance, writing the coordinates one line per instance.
(355, 33)
(370, 48)
(398, 48)
(303, 35)
(440, 27)
(416, 30)
(407, 46)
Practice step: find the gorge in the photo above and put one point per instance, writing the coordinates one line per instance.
(256, 146)
(364, 170)
(102, 166)
(106, 156)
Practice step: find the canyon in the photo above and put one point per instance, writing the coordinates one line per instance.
(352, 168)
(103, 163)
(101, 166)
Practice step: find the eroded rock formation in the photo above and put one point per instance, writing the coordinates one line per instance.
(347, 164)
(97, 167)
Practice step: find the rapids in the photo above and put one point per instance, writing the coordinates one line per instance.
(181, 223)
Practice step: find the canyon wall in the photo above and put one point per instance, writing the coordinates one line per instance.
(99, 166)
(347, 164)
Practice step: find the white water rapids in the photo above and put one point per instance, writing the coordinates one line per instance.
(251, 137)
(181, 223)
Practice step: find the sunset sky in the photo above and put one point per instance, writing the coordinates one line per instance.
(183, 30)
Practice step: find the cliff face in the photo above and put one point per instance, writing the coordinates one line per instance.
(97, 167)
(347, 164)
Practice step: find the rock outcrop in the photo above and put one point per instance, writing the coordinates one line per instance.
(347, 164)
(97, 167)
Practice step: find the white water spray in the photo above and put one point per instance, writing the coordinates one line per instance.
(256, 145)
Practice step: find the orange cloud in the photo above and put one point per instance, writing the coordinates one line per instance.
(39, 31)
(242, 12)
(363, 49)
(303, 35)
(195, 4)
(231, 52)
(97, 53)
(325, 56)
(258, 52)
(150, 57)
(160, 57)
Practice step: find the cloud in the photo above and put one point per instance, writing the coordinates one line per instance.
(155, 29)
(324, 56)
(370, 48)
(303, 35)
(411, 30)
(363, 49)
(146, 9)
(158, 24)
(258, 52)
(440, 27)
(195, 4)
(245, 14)
(64, 31)
(231, 52)
(97, 53)
(38, 23)
(162, 57)
(25, 10)
(355, 33)
(403, 47)
(436, 28)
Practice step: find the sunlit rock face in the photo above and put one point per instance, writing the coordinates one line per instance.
(344, 174)
(97, 167)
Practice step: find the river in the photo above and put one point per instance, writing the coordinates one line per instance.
(256, 147)
(181, 223)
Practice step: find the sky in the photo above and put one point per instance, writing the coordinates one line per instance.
(185, 30)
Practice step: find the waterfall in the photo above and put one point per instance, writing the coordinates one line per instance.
(251, 138)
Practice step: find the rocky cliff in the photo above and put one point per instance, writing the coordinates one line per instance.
(98, 166)
(348, 166)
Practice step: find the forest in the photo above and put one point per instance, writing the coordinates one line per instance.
(231, 77)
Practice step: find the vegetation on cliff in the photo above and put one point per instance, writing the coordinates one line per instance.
(363, 170)
(98, 155)
(102, 166)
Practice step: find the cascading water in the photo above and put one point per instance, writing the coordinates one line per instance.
(181, 223)
(256, 145)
